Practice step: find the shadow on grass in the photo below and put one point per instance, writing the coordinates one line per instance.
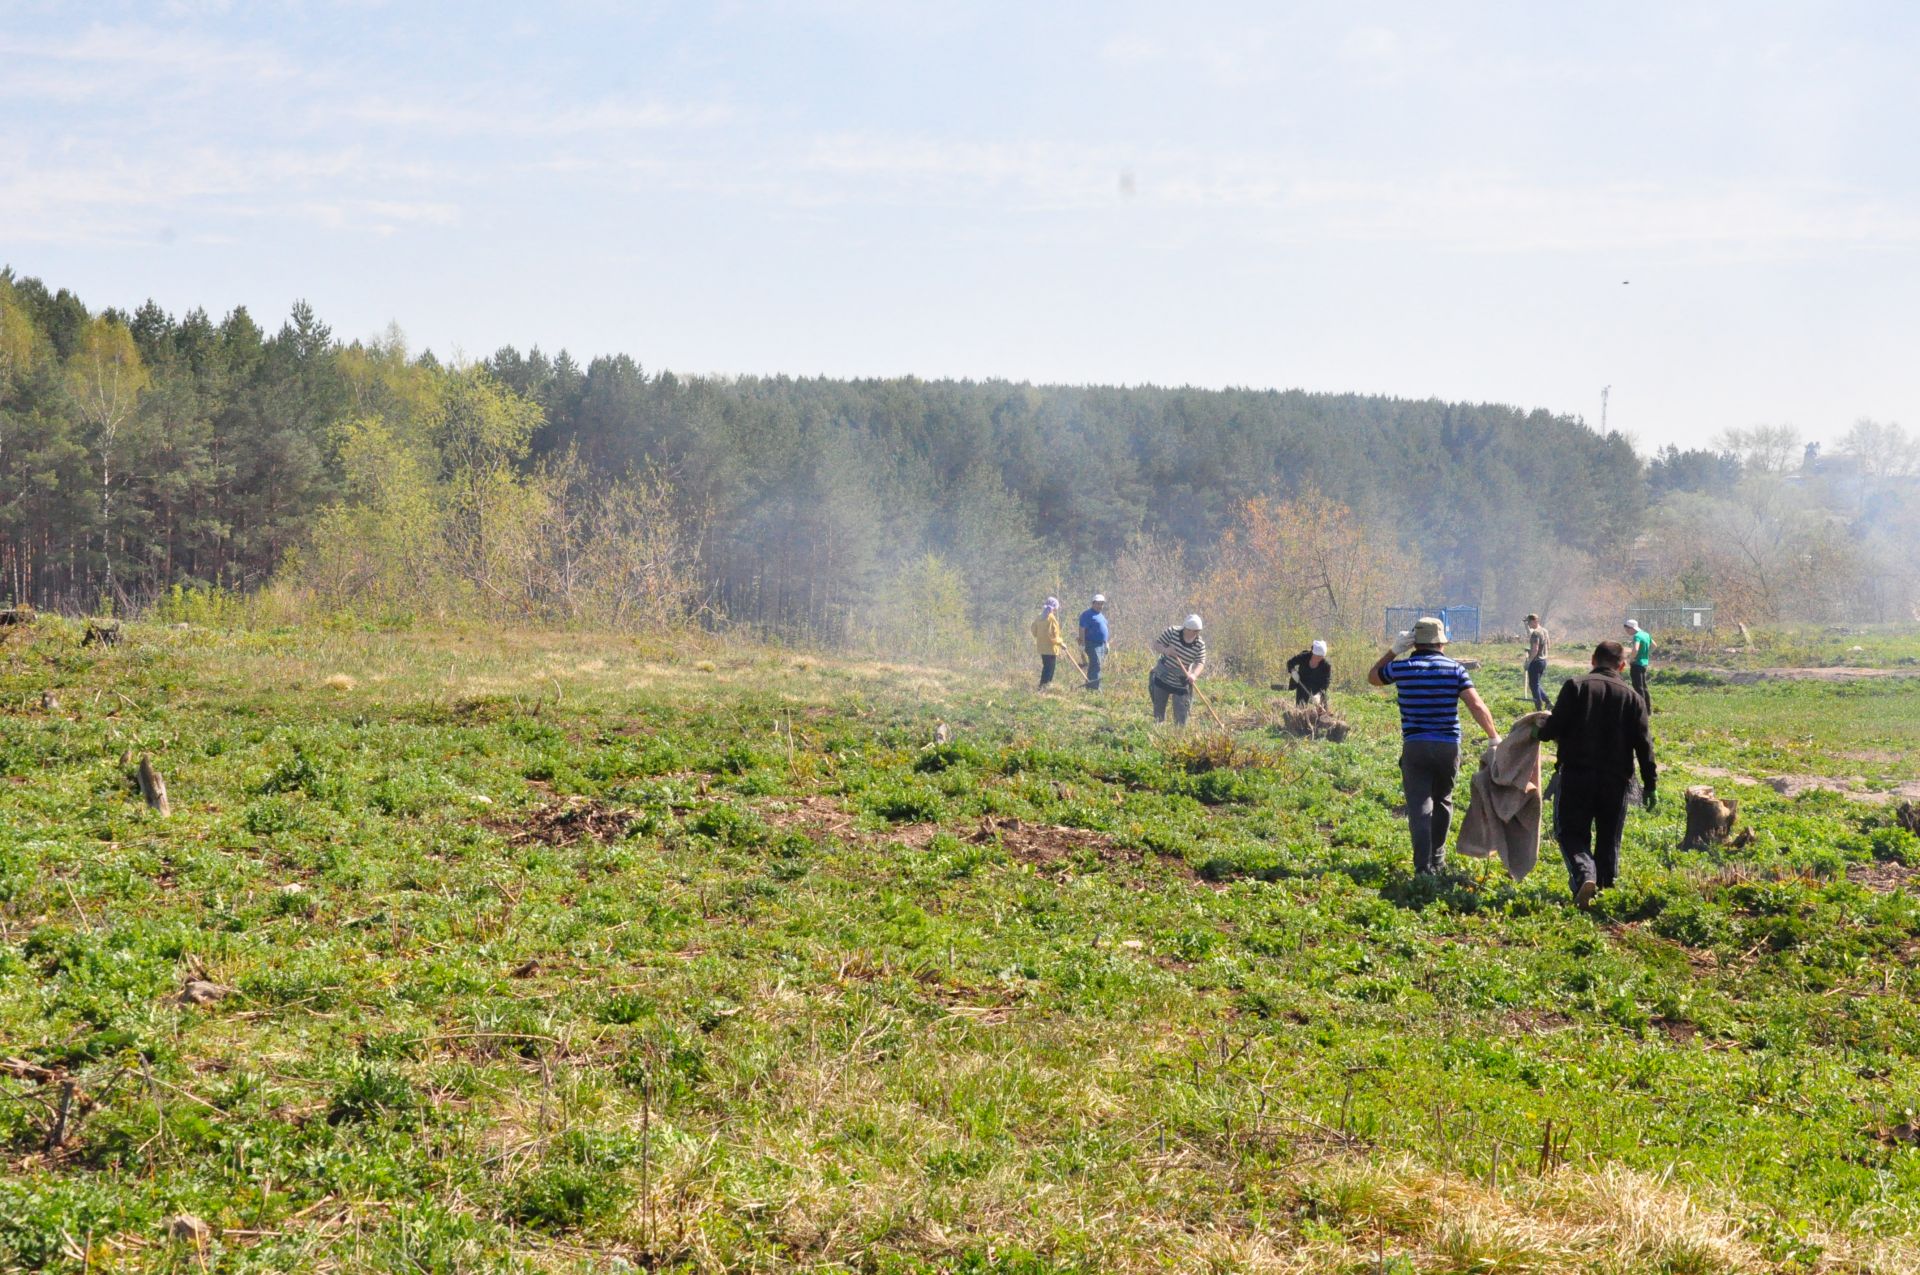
(1455, 890)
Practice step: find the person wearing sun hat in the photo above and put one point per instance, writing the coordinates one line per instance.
(1310, 674)
(1046, 636)
(1431, 689)
(1183, 658)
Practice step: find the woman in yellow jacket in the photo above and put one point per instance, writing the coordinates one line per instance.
(1046, 636)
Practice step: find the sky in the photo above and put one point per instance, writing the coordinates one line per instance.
(1710, 206)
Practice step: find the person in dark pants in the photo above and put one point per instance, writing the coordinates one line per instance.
(1641, 660)
(1431, 688)
(1538, 641)
(1046, 638)
(1310, 674)
(1601, 725)
(1094, 634)
(1183, 658)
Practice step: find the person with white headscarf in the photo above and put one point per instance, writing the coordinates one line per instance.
(1310, 674)
(1183, 658)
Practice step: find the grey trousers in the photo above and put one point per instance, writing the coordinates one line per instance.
(1427, 771)
(1163, 696)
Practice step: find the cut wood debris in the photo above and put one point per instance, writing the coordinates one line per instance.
(1313, 721)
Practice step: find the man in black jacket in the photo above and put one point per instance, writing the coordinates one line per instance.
(1601, 725)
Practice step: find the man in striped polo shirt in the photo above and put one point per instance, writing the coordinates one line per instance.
(1431, 689)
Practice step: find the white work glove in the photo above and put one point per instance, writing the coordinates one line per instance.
(1403, 644)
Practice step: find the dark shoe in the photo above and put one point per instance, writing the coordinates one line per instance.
(1583, 897)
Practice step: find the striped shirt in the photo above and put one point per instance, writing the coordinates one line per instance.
(1430, 689)
(1192, 654)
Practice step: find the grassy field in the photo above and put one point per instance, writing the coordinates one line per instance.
(470, 952)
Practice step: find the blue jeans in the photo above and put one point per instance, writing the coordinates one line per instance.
(1094, 655)
(1537, 669)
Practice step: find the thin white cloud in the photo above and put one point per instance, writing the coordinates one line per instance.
(1497, 214)
(107, 195)
(150, 53)
(1239, 56)
(1482, 212)
(529, 119)
(375, 216)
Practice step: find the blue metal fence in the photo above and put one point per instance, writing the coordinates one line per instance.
(1463, 622)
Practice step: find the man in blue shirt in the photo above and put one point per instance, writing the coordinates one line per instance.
(1432, 688)
(1093, 636)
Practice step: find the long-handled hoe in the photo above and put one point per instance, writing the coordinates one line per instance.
(1208, 705)
(1205, 702)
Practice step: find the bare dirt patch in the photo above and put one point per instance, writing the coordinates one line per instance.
(564, 822)
(1749, 676)
(1746, 677)
(1853, 789)
(1883, 878)
(1046, 845)
(1537, 1022)
(1794, 785)
(1049, 847)
(1678, 1030)
(816, 816)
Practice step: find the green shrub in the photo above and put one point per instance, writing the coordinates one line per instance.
(373, 1090)
(1895, 845)
(565, 1197)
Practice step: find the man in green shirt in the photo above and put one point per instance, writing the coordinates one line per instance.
(1642, 656)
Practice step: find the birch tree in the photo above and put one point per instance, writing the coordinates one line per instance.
(106, 378)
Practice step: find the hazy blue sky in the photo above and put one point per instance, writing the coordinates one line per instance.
(1417, 199)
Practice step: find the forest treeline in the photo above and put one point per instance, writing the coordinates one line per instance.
(144, 452)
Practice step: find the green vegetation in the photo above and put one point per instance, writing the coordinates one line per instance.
(566, 953)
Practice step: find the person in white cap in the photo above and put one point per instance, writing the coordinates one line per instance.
(1183, 658)
(1310, 674)
(1641, 657)
(1094, 634)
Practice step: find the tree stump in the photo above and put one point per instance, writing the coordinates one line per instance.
(153, 788)
(1709, 819)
